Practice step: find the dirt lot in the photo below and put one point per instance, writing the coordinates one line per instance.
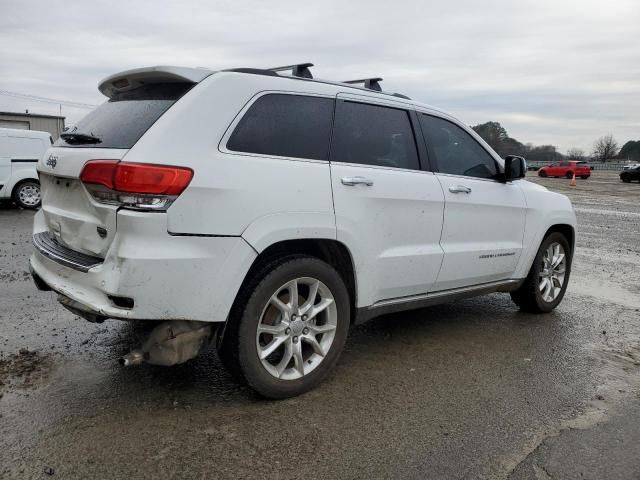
(472, 389)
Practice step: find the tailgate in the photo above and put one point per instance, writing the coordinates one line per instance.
(73, 218)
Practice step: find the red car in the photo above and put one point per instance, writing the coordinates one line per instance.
(566, 169)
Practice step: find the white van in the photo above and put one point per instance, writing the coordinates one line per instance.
(20, 151)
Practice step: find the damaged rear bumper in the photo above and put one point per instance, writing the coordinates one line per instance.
(148, 274)
(77, 308)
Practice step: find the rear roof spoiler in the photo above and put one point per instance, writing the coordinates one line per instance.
(130, 79)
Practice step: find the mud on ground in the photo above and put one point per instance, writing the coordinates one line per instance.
(24, 370)
(470, 389)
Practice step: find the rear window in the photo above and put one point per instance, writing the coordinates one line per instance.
(123, 119)
(285, 126)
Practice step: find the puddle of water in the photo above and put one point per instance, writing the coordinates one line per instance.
(607, 291)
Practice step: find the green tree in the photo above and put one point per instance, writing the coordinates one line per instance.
(630, 151)
(497, 137)
(543, 153)
(492, 132)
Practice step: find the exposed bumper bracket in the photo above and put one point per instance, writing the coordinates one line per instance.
(81, 310)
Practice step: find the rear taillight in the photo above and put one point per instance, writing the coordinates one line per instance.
(135, 185)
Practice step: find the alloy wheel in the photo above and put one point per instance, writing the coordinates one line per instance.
(552, 273)
(296, 328)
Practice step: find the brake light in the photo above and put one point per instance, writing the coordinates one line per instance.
(135, 185)
(99, 172)
(140, 178)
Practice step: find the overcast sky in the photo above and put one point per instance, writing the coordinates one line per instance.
(560, 72)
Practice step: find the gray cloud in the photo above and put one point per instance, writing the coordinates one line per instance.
(560, 72)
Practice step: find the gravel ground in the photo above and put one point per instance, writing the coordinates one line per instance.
(471, 389)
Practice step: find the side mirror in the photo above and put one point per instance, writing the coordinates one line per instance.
(515, 167)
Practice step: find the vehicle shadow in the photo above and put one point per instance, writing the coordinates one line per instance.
(8, 205)
(465, 334)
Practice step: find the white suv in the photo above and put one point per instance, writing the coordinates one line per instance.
(283, 209)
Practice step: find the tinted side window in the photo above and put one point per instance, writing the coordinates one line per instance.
(456, 151)
(285, 126)
(125, 117)
(374, 135)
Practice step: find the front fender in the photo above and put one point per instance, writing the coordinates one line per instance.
(545, 210)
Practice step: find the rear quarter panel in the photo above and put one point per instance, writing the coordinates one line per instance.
(232, 191)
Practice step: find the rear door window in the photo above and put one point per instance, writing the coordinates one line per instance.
(124, 118)
(374, 135)
(455, 151)
(285, 125)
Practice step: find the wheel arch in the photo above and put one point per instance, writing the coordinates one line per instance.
(567, 230)
(330, 251)
(20, 181)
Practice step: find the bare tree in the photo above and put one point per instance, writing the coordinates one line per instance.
(575, 154)
(605, 148)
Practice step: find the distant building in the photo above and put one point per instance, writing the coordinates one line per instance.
(31, 121)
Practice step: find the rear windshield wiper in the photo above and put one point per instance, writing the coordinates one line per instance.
(79, 138)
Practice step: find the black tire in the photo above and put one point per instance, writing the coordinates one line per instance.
(542, 173)
(584, 176)
(528, 296)
(20, 197)
(626, 180)
(569, 175)
(237, 347)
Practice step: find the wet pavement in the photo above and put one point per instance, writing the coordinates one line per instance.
(471, 389)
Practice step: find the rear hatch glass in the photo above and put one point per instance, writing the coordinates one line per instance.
(123, 119)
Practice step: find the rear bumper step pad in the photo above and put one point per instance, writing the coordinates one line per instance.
(52, 249)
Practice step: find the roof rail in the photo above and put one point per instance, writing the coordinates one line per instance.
(298, 70)
(254, 71)
(301, 70)
(369, 83)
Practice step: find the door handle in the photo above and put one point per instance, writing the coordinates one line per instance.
(459, 189)
(351, 181)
